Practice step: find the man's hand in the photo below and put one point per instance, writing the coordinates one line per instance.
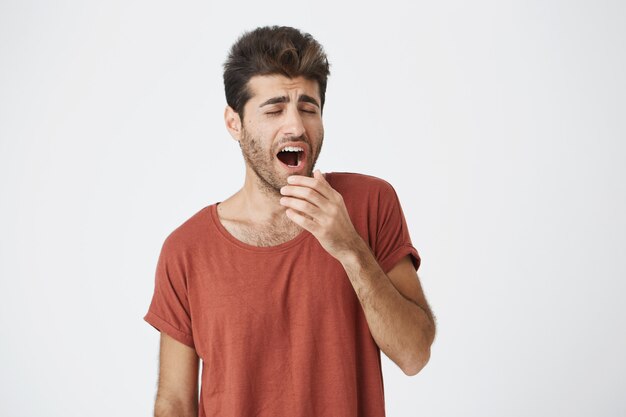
(317, 207)
(403, 329)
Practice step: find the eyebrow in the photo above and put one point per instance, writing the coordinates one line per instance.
(284, 99)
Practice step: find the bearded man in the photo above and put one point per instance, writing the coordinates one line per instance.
(287, 290)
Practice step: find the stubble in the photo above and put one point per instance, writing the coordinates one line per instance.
(262, 162)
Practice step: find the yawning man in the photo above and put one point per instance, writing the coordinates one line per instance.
(287, 290)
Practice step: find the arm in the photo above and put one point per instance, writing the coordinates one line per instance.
(396, 310)
(177, 394)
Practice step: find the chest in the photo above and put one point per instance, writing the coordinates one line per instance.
(262, 237)
(276, 299)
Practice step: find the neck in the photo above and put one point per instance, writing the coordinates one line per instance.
(259, 203)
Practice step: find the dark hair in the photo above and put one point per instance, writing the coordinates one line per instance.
(272, 50)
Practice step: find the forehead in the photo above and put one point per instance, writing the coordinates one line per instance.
(263, 87)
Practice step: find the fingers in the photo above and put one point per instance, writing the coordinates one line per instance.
(301, 206)
(317, 183)
(304, 193)
(302, 220)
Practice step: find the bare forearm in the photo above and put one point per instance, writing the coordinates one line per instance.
(403, 330)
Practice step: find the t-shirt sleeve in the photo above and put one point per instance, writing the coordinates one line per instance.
(169, 310)
(392, 238)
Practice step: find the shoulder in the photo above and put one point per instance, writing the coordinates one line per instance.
(356, 184)
(187, 234)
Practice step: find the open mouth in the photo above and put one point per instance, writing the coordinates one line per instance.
(292, 156)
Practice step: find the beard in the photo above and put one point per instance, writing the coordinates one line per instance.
(263, 161)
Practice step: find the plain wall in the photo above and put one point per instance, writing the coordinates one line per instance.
(501, 125)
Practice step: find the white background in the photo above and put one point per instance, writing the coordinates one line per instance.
(499, 123)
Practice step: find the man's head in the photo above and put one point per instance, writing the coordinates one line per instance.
(273, 50)
(275, 81)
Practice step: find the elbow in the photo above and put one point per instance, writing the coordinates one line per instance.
(417, 363)
(421, 355)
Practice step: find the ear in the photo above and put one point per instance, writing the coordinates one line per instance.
(233, 123)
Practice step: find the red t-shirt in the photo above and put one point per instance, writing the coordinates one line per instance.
(280, 330)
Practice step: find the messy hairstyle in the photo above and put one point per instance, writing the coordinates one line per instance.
(273, 50)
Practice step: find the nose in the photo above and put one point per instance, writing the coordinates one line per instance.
(293, 123)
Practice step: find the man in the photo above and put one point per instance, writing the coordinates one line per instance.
(288, 289)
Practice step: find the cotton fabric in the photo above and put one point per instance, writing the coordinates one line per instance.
(280, 330)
